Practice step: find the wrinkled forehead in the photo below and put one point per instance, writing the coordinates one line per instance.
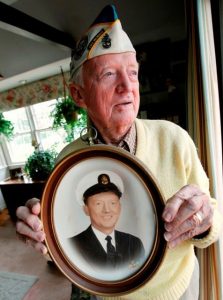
(110, 60)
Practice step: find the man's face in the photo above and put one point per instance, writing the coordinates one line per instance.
(111, 91)
(103, 210)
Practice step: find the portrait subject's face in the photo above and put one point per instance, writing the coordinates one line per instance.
(111, 90)
(103, 210)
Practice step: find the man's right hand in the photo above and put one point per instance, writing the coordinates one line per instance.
(29, 227)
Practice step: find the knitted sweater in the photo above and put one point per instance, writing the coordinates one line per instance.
(170, 154)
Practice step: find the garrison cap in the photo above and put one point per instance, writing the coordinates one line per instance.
(104, 185)
(104, 36)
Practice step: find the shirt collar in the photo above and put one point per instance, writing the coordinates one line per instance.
(128, 142)
(101, 237)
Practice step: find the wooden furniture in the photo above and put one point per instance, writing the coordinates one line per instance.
(17, 191)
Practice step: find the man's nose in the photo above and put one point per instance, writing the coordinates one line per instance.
(106, 207)
(124, 84)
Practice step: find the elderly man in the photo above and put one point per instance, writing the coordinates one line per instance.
(104, 80)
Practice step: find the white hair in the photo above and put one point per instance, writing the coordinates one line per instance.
(77, 76)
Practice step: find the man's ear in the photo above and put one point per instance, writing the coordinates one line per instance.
(85, 208)
(77, 94)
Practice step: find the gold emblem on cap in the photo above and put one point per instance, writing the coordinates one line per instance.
(103, 179)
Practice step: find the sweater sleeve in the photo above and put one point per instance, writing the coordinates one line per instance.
(196, 175)
(213, 233)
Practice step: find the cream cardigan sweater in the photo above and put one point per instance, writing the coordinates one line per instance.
(170, 154)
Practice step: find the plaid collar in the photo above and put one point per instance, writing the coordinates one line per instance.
(128, 143)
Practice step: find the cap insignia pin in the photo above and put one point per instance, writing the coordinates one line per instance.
(106, 41)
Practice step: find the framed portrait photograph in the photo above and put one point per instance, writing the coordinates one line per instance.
(102, 215)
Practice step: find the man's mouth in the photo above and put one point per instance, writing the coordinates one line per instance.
(107, 217)
(122, 104)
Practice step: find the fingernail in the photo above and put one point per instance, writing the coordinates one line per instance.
(43, 250)
(172, 244)
(168, 227)
(36, 226)
(41, 236)
(167, 217)
(167, 236)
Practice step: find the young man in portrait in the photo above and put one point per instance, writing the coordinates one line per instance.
(101, 244)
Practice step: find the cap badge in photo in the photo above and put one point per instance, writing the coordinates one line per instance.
(102, 186)
(103, 179)
(97, 182)
(104, 36)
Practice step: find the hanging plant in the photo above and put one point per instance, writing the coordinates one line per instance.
(6, 127)
(68, 115)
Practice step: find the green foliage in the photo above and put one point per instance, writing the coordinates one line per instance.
(40, 164)
(78, 294)
(6, 127)
(69, 116)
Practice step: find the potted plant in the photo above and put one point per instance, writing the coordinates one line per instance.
(68, 115)
(6, 127)
(40, 164)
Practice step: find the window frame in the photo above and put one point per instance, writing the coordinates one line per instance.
(34, 132)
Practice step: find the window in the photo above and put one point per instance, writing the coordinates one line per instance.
(48, 138)
(2, 159)
(21, 145)
(32, 124)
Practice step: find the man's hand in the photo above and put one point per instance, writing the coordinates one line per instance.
(187, 214)
(29, 227)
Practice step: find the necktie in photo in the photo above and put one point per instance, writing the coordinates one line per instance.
(111, 253)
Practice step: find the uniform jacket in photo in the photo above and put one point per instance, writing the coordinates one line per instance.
(129, 249)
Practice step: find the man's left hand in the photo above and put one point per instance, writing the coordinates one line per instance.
(187, 214)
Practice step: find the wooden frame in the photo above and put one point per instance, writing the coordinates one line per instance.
(141, 216)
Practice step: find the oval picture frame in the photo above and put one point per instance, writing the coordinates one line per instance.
(139, 222)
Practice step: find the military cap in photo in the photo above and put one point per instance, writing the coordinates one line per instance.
(104, 36)
(103, 185)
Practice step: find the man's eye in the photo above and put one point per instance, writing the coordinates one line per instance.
(108, 74)
(134, 73)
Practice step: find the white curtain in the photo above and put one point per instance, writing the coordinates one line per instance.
(205, 128)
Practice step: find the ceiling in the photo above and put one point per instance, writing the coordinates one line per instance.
(36, 35)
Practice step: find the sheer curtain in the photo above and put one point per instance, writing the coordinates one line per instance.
(204, 127)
